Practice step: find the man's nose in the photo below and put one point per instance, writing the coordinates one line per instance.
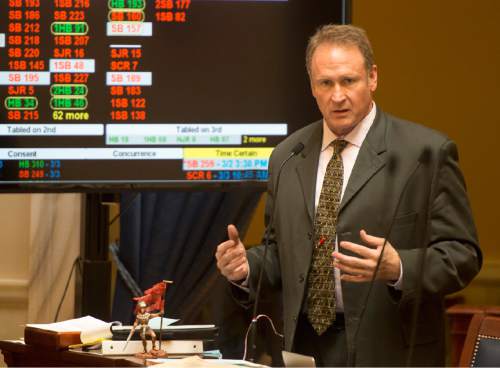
(338, 94)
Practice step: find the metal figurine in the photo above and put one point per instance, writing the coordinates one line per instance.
(141, 321)
(153, 300)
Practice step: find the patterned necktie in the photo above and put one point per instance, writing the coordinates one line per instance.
(321, 283)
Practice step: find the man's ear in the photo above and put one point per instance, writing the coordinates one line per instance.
(313, 91)
(373, 78)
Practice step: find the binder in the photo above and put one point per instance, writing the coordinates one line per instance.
(180, 332)
(50, 339)
(60, 335)
(171, 347)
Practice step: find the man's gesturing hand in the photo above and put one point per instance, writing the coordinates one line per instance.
(232, 257)
(361, 269)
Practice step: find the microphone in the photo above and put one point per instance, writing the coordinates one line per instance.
(423, 159)
(124, 210)
(114, 251)
(298, 148)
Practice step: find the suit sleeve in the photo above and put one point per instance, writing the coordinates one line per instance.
(452, 255)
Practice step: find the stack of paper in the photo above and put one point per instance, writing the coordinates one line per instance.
(60, 335)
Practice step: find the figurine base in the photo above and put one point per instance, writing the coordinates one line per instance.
(155, 353)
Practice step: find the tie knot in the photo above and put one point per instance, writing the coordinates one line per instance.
(339, 145)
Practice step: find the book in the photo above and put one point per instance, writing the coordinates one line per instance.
(196, 361)
(60, 335)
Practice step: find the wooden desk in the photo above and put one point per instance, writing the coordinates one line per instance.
(18, 354)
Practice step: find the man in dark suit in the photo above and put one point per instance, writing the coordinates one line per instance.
(360, 169)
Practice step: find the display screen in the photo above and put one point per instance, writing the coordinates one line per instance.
(114, 93)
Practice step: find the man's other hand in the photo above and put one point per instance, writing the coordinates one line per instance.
(357, 269)
(232, 257)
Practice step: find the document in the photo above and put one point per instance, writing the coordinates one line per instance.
(91, 329)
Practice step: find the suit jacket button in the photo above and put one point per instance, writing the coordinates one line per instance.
(294, 318)
(309, 235)
(301, 278)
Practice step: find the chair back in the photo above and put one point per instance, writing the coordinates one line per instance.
(482, 344)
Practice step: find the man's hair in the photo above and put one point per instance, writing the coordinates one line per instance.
(341, 35)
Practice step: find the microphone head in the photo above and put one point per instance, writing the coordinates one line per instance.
(392, 164)
(298, 148)
(426, 156)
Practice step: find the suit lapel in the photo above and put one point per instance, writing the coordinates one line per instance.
(307, 167)
(371, 158)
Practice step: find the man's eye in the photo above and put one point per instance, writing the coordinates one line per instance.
(325, 83)
(348, 81)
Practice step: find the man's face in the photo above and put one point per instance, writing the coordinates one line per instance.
(342, 86)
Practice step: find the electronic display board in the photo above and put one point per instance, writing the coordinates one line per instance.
(97, 93)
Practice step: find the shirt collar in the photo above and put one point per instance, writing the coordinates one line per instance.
(356, 136)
